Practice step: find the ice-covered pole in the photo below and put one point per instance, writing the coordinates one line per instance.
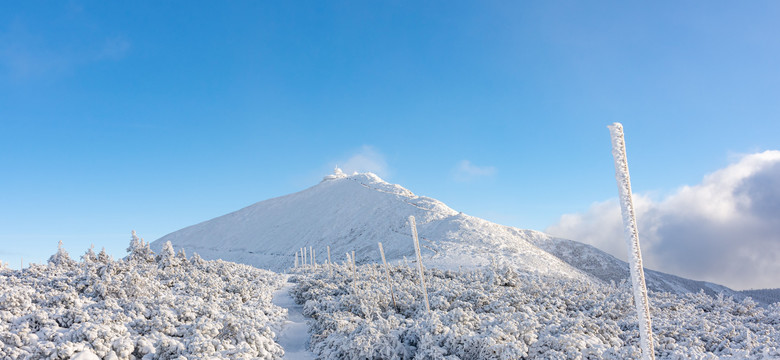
(387, 275)
(632, 239)
(330, 267)
(419, 261)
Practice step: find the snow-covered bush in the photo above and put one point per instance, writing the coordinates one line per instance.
(139, 307)
(503, 314)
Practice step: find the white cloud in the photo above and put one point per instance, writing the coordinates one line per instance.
(367, 159)
(725, 229)
(465, 171)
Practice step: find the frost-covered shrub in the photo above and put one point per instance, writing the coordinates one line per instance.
(503, 314)
(166, 307)
(61, 258)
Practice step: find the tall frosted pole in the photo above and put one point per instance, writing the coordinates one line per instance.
(419, 262)
(330, 267)
(387, 275)
(632, 239)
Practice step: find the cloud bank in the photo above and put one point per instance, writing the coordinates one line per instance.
(725, 229)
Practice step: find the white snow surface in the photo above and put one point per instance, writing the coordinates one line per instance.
(353, 213)
(294, 333)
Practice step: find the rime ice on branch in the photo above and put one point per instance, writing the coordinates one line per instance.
(632, 239)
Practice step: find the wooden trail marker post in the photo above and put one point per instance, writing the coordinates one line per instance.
(419, 262)
(351, 266)
(632, 240)
(330, 265)
(354, 268)
(387, 275)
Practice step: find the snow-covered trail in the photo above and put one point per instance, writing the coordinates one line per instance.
(294, 335)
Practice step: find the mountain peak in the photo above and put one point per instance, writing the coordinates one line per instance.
(337, 174)
(348, 213)
(370, 181)
(352, 213)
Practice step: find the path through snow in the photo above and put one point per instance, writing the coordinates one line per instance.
(294, 335)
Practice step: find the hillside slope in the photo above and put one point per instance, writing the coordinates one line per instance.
(353, 213)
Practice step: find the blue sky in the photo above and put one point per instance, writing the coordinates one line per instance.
(154, 116)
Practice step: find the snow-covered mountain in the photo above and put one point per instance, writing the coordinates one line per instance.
(353, 213)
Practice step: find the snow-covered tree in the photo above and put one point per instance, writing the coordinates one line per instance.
(61, 257)
(134, 309)
(167, 256)
(139, 250)
(103, 256)
(90, 255)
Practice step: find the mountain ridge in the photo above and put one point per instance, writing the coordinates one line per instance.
(353, 213)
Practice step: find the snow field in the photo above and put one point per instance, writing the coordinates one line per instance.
(144, 306)
(499, 313)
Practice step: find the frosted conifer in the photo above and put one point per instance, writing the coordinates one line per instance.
(90, 255)
(103, 256)
(167, 256)
(61, 257)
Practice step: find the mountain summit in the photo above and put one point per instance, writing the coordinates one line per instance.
(354, 212)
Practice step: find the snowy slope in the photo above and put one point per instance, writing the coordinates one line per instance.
(353, 213)
(608, 268)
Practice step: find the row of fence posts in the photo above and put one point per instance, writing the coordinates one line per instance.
(308, 259)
